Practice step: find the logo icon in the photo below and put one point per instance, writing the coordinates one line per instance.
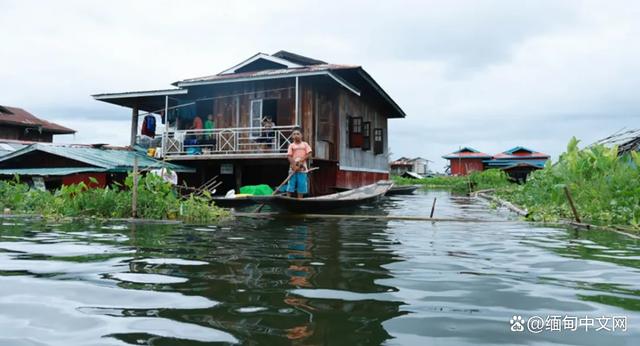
(535, 324)
(517, 324)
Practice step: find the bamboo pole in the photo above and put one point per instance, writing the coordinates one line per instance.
(508, 205)
(134, 193)
(364, 217)
(573, 207)
(433, 207)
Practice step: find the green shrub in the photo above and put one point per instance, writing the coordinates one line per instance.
(156, 200)
(604, 187)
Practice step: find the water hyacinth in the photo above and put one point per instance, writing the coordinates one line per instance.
(605, 187)
(156, 200)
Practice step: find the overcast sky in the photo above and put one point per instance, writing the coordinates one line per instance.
(485, 74)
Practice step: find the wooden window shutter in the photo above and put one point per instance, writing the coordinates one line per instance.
(378, 141)
(366, 135)
(355, 132)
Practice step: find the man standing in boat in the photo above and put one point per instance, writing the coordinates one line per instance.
(298, 153)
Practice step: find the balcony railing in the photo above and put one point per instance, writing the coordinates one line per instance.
(224, 142)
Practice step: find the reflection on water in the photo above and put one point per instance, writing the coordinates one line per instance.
(279, 281)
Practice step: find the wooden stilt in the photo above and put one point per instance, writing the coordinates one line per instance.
(134, 193)
(573, 207)
(433, 207)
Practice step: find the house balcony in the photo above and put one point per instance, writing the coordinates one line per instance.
(227, 143)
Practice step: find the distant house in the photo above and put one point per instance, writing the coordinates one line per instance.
(517, 162)
(60, 165)
(341, 109)
(19, 125)
(466, 160)
(417, 165)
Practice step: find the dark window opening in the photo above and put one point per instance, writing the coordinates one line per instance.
(355, 132)
(378, 142)
(270, 110)
(366, 135)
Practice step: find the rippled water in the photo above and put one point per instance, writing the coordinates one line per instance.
(291, 281)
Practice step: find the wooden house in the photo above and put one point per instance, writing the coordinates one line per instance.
(517, 162)
(466, 160)
(416, 165)
(341, 110)
(16, 124)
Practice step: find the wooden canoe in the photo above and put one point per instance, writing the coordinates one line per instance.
(350, 198)
(402, 190)
(238, 202)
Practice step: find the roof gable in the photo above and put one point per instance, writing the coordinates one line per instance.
(466, 150)
(262, 61)
(519, 149)
(19, 117)
(467, 153)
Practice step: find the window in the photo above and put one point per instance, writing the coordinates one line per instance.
(256, 117)
(378, 142)
(355, 132)
(366, 135)
(270, 110)
(324, 112)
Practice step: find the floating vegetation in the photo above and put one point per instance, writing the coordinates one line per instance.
(156, 199)
(605, 187)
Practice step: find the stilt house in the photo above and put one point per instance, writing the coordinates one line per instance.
(254, 107)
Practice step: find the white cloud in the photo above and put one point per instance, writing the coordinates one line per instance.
(491, 74)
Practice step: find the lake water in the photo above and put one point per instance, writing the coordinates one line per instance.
(312, 282)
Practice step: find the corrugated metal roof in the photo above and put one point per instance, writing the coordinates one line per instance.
(50, 171)
(296, 58)
(352, 77)
(467, 153)
(498, 163)
(112, 160)
(20, 117)
(264, 73)
(7, 147)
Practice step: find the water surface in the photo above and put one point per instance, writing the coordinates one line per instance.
(311, 282)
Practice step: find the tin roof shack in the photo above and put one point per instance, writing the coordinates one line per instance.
(255, 105)
(65, 165)
(466, 160)
(18, 124)
(627, 140)
(8, 146)
(518, 162)
(416, 165)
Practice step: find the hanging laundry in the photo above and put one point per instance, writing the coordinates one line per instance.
(149, 126)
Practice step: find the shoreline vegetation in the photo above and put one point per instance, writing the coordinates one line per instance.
(156, 199)
(604, 187)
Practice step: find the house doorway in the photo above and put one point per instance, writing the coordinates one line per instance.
(270, 110)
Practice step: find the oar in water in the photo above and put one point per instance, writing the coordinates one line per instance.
(281, 185)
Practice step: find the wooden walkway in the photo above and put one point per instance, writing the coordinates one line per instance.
(364, 217)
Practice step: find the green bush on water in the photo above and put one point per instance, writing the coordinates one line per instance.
(156, 200)
(488, 179)
(605, 187)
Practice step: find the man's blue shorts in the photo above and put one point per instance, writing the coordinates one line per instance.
(298, 183)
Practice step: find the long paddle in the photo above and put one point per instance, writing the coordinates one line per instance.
(281, 185)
